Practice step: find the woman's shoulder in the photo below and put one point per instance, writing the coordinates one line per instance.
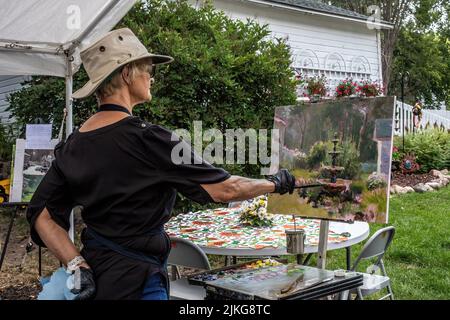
(131, 127)
(157, 131)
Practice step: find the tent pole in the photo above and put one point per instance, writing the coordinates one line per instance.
(69, 85)
(69, 122)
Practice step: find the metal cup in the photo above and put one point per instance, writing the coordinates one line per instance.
(295, 241)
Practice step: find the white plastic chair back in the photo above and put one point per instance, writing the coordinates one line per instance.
(187, 254)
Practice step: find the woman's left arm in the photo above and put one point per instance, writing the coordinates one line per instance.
(238, 188)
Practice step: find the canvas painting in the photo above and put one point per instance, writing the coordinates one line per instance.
(30, 167)
(35, 166)
(340, 153)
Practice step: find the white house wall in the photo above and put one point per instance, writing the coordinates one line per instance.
(8, 85)
(346, 45)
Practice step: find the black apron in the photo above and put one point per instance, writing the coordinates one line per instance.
(96, 241)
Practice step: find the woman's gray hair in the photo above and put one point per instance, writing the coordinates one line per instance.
(114, 80)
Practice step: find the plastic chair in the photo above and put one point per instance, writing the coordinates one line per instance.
(186, 254)
(375, 248)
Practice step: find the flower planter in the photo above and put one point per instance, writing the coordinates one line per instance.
(315, 98)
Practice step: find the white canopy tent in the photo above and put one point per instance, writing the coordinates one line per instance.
(45, 37)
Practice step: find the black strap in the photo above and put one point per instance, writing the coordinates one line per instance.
(99, 241)
(113, 107)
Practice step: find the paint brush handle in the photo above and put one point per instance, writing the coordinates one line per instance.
(313, 185)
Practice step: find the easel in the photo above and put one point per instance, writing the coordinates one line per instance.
(294, 247)
(18, 206)
(323, 244)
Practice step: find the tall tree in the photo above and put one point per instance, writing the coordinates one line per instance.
(426, 56)
(423, 49)
(425, 15)
(393, 11)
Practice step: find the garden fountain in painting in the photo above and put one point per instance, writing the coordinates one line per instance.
(340, 153)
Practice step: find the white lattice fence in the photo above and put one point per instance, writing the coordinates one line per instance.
(404, 115)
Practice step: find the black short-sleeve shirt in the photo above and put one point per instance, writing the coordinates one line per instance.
(124, 178)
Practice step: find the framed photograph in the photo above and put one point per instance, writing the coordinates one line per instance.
(30, 166)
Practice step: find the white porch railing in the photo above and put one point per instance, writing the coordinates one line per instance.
(405, 121)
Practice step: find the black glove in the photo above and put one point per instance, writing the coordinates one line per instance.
(85, 289)
(284, 182)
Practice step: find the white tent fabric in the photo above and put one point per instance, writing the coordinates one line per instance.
(44, 37)
(35, 34)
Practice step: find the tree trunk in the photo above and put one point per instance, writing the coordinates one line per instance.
(393, 11)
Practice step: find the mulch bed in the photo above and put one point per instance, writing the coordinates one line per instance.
(21, 290)
(404, 180)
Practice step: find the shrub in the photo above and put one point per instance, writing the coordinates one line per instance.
(301, 161)
(396, 154)
(6, 142)
(431, 148)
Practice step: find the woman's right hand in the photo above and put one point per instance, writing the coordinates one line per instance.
(284, 181)
(84, 283)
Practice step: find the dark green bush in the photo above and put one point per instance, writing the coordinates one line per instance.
(431, 148)
(5, 144)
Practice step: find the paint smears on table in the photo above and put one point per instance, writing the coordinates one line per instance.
(221, 228)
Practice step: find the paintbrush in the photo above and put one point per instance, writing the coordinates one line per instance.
(307, 285)
(292, 284)
(313, 185)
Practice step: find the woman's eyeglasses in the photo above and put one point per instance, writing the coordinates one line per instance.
(151, 69)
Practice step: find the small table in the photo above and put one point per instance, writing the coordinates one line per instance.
(219, 232)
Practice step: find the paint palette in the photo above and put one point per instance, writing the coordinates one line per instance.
(234, 271)
(271, 282)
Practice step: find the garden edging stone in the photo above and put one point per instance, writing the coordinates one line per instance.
(442, 180)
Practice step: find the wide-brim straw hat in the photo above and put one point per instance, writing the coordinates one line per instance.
(114, 50)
